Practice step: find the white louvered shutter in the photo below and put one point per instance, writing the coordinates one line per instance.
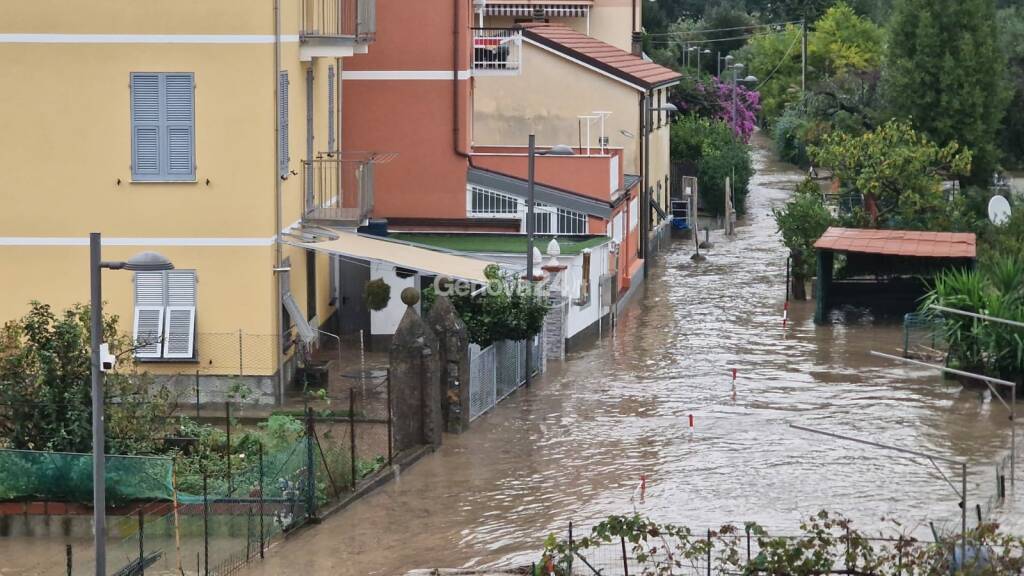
(179, 122)
(179, 332)
(149, 323)
(146, 153)
(181, 321)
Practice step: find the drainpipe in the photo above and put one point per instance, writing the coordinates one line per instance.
(644, 197)
(456, 109)
(278, 252)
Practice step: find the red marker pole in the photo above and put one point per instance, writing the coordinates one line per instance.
(643, 486)
(733, 384)
(691, 423)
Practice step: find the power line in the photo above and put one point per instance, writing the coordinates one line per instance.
(724, 29)
(712, 41)
(779, 65)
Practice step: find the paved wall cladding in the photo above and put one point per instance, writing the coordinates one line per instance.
(453, 339)
(415, 383)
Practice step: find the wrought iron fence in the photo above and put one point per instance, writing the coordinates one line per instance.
(498, 370)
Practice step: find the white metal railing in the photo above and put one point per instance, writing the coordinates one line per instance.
(497, 49)
(498, 370)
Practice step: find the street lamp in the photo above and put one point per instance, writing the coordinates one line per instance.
(962, 492)
(142, 262)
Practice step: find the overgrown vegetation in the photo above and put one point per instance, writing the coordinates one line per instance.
(45, 394)
(509, 308)
(718, 154)
(801, 222)
(828, 543)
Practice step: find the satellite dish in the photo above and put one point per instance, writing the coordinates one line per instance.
(998, 210)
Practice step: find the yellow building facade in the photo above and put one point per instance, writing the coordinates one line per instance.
(182, 128)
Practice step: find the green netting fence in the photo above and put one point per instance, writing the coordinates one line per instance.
(66, 477)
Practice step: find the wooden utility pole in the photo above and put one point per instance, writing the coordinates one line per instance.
(803, 57)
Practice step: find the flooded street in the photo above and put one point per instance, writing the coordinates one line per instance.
(574, 445)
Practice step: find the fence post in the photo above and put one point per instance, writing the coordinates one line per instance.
(748, 544)
(248, 535)
(310, 467)
(390, 442)
(206, 525)
(352, 433)
(197, 394)
(68, 553)
(709, 552)
(570, 547)
(625, 563)
(261, 499)
(227, 449)
(142, 547)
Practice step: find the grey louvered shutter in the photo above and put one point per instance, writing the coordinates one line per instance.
(179, 126)
(145, 113)
(282, 125)
(330, 108)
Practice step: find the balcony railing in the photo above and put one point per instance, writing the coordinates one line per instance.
(497, 50)
(338, 19)
(338, 188)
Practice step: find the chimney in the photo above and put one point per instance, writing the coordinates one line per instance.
(637, 44)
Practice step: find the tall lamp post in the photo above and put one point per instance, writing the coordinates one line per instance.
(962, 492)
(142, 262)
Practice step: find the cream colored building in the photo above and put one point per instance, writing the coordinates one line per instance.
(186, 128)
(569, 88)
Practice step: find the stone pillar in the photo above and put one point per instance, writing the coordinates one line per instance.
(453, 357)
(553, 338)
(415, 380)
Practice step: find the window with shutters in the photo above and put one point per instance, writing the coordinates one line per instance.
(165, 315)
(163, 126)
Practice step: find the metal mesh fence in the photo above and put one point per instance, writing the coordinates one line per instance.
(498, 370)
(922, 336)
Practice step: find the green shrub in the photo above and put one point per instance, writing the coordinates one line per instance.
(718, 154)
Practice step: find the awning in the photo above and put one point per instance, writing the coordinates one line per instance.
(403, 255)
(526, 9)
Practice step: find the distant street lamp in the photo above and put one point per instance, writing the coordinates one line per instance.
(142, 262)
(962, 492)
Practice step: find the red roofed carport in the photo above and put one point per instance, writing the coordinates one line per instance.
(885, 268)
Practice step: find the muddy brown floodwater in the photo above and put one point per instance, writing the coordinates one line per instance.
(574, 445)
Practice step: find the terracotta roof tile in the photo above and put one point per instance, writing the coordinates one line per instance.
(899, 243)
(613, 60)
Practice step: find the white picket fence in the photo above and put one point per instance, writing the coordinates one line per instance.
(497, 370)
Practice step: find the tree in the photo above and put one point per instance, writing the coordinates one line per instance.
(802, 221)
(898, 171)
(718, 154)
(45, 400)
(1011, 39)
(945, 72)
(841, 44)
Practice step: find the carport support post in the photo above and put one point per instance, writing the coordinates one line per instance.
(529, 241)
(825, 260)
